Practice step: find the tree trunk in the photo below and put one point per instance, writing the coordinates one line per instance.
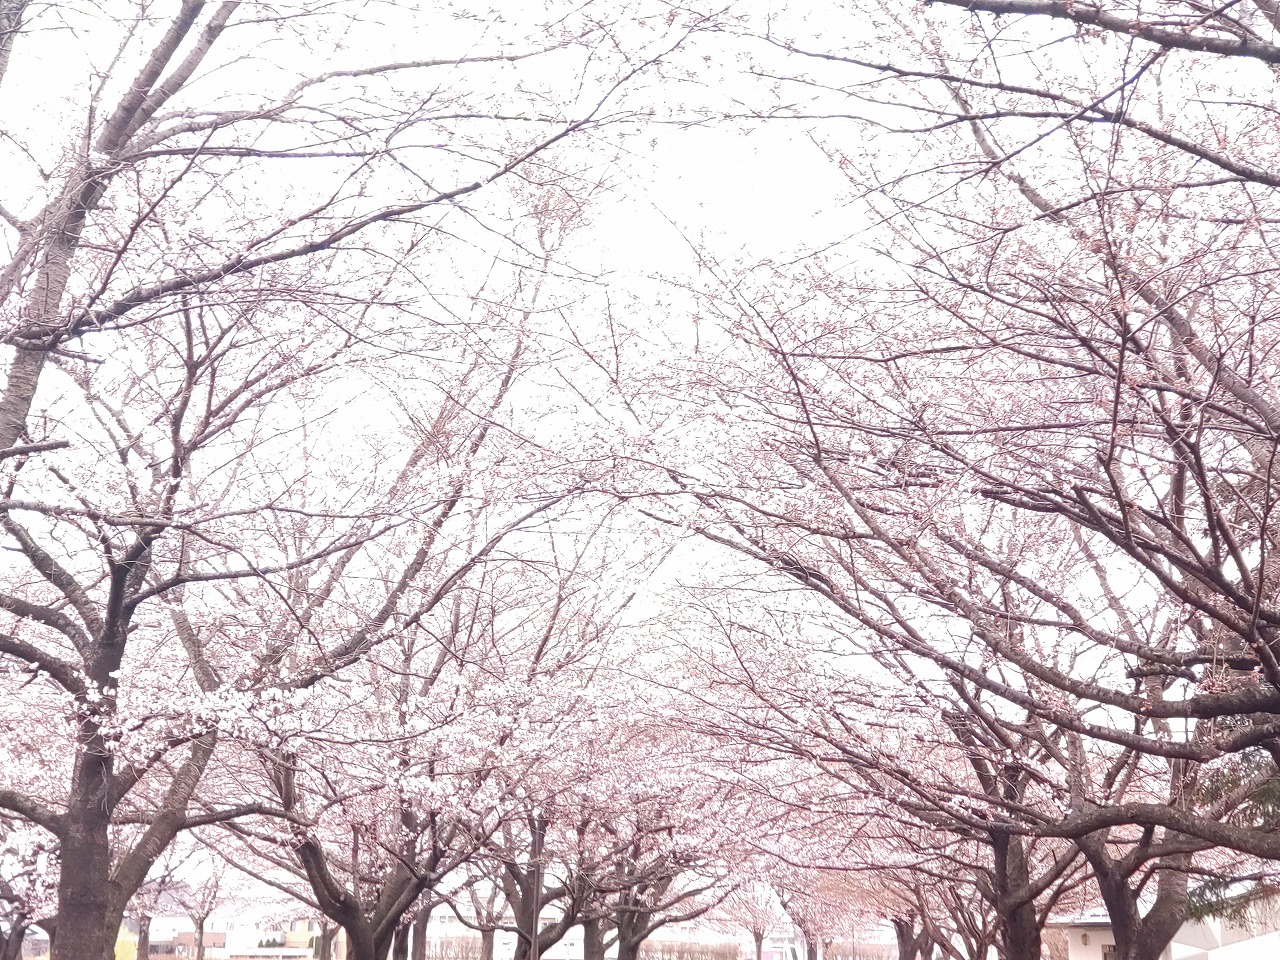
(1138, 936)
(526, 910)
(1020, 934)
(487, 936)
(11, 944)
(758, 937)
(904, 933)
(910, 944)
(87, 919)
(144, 937)
(1015, 909)
(400, 944)
(199, 924)
(548, 937)
(91, 900)
(328, 933)
(11, 12)
(20, 389)
(593, 940)
(360, 943)
(633, 926)
(419, 949)
(1125, 923)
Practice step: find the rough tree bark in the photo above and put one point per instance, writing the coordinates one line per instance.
(11, 940)
(593, 939)
(1015, 907)
(912, 944)
(1140, 935)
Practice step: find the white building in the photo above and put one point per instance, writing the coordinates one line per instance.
(1253, 933)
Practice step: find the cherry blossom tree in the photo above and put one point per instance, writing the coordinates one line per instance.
(102, 540)
(1016, 454)
(235, 590)
(752, 907)
(671, 843)
(1032, 425)
(215, 216)
(208, 888)
(893, 778)
(28, 877)
(404, 773)
(169, 124)
(485, 907)
(620, 832)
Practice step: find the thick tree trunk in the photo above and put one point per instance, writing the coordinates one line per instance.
(904, 932)
(87, 917)
(1139, 936)
(11, 943)
(20, 389)
(911, 945)
(1125, 923)
(419, 949)
(360, 943)
(1020, 935)
(593, 940)
(486, 943)
(11, 12)
(92, 891)
(1016, 910)
(363, 945)
(42, 312)
(526, 918)
(633, 928)
(400, 945)
(548, 937)
(634, 925)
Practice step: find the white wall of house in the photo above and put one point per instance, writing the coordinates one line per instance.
(1089, 943)
(1255, 937)
(1262, 947)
